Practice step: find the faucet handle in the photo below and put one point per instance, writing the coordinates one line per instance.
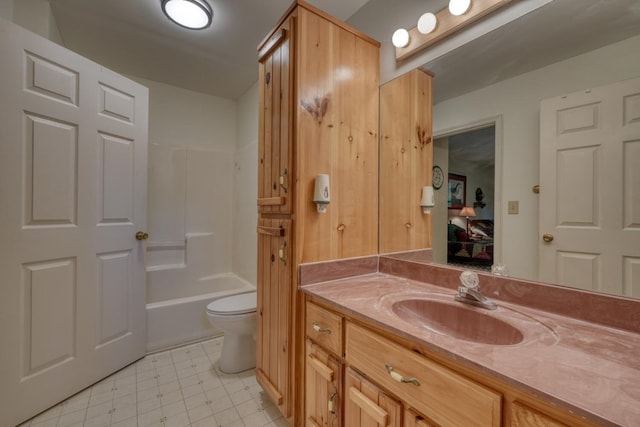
(470, 279)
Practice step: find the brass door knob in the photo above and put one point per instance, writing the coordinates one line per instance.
(547, 237)
(141, 235)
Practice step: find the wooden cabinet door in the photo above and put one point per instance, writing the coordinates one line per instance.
(413, 419)
(275, 179)
(368, 406)
(523, 416)
(323, 387)
(273, 332)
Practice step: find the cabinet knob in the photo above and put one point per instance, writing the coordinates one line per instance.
(547, 237)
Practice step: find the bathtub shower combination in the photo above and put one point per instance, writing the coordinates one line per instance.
(173, 320)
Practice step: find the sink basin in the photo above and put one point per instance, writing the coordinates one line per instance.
(458, 321)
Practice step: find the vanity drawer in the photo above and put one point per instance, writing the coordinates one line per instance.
(324, 328)
(441, 394)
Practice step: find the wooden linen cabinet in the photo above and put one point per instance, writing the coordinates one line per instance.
(318, 114)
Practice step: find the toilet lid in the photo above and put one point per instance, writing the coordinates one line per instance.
(234, 304)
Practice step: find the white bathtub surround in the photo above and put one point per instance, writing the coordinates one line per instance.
(245, 184)
(190, 205)
(173, 320)
(180, 387)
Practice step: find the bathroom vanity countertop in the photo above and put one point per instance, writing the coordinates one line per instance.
(585, 368)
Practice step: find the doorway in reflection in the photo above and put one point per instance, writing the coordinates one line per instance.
(467, 198)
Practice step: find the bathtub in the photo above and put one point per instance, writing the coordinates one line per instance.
(176, 314)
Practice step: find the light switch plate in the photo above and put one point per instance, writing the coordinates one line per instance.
(514, 206)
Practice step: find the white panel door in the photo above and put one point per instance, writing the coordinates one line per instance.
(590, 189)
(73, 160)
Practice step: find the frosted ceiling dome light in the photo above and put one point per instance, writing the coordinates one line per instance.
(192, 14)
(427, 23)
(400, 38)
(459, 7)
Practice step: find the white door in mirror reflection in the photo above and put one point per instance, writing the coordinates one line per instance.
(590, 189)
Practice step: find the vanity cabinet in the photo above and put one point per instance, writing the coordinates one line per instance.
(389, 381)
(318, 114)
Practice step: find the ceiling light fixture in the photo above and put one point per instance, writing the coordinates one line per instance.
(192, 14)
(400, 38)
(459, 7)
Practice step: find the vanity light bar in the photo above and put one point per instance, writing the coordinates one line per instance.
(447, 24)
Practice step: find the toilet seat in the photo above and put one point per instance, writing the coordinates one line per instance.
(233, 305)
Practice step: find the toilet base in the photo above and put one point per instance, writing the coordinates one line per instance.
(238, 353)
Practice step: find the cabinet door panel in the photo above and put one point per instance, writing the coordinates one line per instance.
(413, 419)
(275, 134)
(273, 320)
(368, 406)
(323, 380)
(523, 416)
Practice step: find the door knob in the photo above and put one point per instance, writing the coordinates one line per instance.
(547, 237)
(141, 235)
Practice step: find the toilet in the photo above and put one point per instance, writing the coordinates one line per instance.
(235, 315)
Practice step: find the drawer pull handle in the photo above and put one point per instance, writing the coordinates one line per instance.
(317, 328)
(396, 376)
(331, 405)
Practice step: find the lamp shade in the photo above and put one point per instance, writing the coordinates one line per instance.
(468, 212)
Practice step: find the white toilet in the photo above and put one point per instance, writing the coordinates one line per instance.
(235, 315)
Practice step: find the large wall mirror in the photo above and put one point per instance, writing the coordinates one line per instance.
(486, 125)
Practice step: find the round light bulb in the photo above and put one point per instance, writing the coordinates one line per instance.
(427, 23)
(400, 38)
(193, 14)
(459, 7)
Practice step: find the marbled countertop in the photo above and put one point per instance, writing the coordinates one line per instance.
(588, 369)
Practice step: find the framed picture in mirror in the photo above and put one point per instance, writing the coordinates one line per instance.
(457, 194)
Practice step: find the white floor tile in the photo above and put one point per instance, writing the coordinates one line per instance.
(182, 387)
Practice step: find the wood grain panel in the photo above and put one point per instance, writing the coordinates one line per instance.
(329, 325)
(442, 395)
(323, 387)
(368, 406)
(406, 159)
(523, 416)
(337, 110)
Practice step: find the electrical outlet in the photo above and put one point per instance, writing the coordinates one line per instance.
(514, 206)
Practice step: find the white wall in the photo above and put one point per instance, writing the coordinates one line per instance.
(6, 9)
(517, 100)
(245, 181)
(35, 16)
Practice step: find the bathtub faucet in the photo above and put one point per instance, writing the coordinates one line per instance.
(469, 292)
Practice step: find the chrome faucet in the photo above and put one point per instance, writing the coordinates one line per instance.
(469, 292)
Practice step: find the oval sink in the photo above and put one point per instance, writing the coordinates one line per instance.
(458, 321)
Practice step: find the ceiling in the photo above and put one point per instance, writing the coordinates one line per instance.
(133, 37)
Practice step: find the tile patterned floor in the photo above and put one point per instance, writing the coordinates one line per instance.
(182, 387)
